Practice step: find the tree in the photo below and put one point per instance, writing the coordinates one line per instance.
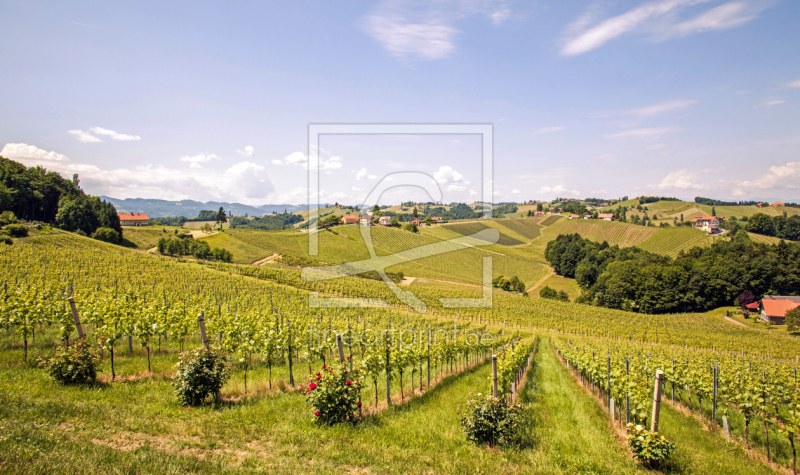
(548, 292)
(745, 298)
(415, 212)
(106, 235)
(539, 207)
(793, 319)
(741, 236)
(761, 223)
(221, 217)
(713, 211)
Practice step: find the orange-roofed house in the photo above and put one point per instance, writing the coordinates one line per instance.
(606, 216)
(349, 219)
(709, 224)
(778, 203)
(538, 213)
(774, 308)
(133, 219)
(574, 216)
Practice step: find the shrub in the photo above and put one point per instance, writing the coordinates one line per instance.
(80, 232)
(649, 447)
(490, 420)
(6, 240)
(333, 394)
(8, 217)
(201, 372)
(16, 230)
(106, 235)
(74, 365)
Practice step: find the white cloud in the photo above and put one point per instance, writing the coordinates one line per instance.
(722, 17)
(557, 190)
(500, 16)
(678, 180)
(662, 107)
(113, 135)
(651, 132)
(84, 136)
(427, 40)
(363, 174)
(427, 30)
(301, 160)
(515, 191)
(793, 84)
(778, 178)
(660, 20)
(770, 103)
(195, 165)
(547, 130)
(241, 182)
(451, 179)
(23, 151)
(473, 193)
(247, 152)
(200, 158)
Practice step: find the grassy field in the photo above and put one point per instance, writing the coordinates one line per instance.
(670, 241)
(466, 229)
(346, 244)
(146, 237)
(560, 283)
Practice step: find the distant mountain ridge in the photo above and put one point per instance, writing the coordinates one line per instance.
(190, 208)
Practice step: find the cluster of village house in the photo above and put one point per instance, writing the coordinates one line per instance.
(773, 308)
(366, 219)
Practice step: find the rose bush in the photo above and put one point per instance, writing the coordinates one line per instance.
(649, 447)
(334, 394)
(490, 420)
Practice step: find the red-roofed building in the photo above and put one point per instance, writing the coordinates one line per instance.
(538, 213)
(574, 216)
(778, 203)
(606, 216)
(415, 221)
(133, 219)
(709, 224)
(349, 219)
(774, 308)
(753, 306)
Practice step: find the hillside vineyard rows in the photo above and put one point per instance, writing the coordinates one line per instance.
(260, 315)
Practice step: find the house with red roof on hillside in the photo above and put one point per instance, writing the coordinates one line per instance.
(709, 224)
(133, 219)
(349, 219)
(778, 203)
(774, 308)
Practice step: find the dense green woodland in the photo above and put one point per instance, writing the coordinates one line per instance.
(701, 279)
(35, 194)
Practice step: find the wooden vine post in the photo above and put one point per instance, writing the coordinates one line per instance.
(494, 375)
(289, 329)
(429, 357)
(627, 394)
(76, 317)
(201, 321)
(388, 374)
(657, 400)
(340, 347)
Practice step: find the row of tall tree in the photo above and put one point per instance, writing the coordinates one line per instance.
(698, 280)
(35, 194)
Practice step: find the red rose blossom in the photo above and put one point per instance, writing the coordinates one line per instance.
(349, 382)
(316, 413)
(312, 386)
(359, 403)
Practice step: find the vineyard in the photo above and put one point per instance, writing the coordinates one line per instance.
(141, 311)
(671, 241)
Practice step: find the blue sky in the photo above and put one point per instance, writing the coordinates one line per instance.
(209, 101)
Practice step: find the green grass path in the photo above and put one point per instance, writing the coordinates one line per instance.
(697, 451)
(569, 431)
